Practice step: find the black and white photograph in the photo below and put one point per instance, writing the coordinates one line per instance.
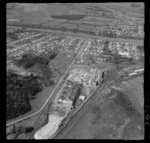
(75, 71)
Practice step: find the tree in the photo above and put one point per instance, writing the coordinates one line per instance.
(20, 90)
(92, 60)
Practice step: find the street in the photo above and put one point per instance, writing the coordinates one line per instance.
(109, 80)
(52, 95)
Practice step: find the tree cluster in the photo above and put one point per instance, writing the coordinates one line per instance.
(29, 60)
(20, 90)
(12, 35)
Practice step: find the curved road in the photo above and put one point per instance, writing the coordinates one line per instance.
(52, 94)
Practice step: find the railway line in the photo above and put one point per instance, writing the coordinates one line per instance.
(110, 80)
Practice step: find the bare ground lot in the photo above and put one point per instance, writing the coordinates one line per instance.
(113, 117)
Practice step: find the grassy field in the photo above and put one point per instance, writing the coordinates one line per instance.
(135, 86)
(61, 65)
(114, 116)
(41, 98)
(38, 102)
(123, 7)
(61, 62)
(41, 13)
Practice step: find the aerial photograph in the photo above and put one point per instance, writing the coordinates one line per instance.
(75, 71)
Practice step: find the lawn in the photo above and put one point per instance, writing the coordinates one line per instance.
(61, 62)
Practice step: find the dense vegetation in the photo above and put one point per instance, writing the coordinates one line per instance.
(12, 35)
(135, 5)
(20, 90)
(29, 60)
(21, 129)
(69, 17)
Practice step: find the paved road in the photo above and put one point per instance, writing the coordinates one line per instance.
(109, 80)
(17, 48)
(140, 42)
(59, 80)
(46, 29)
(52, 94)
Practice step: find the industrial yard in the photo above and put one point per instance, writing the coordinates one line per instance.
(75, 71)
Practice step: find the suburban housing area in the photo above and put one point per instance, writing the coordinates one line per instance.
(75, 71)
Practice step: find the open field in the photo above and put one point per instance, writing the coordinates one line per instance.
(42, 13)
(32, 13)
(47, 40)
(60, 67)
(123, 7)
(108, 118)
